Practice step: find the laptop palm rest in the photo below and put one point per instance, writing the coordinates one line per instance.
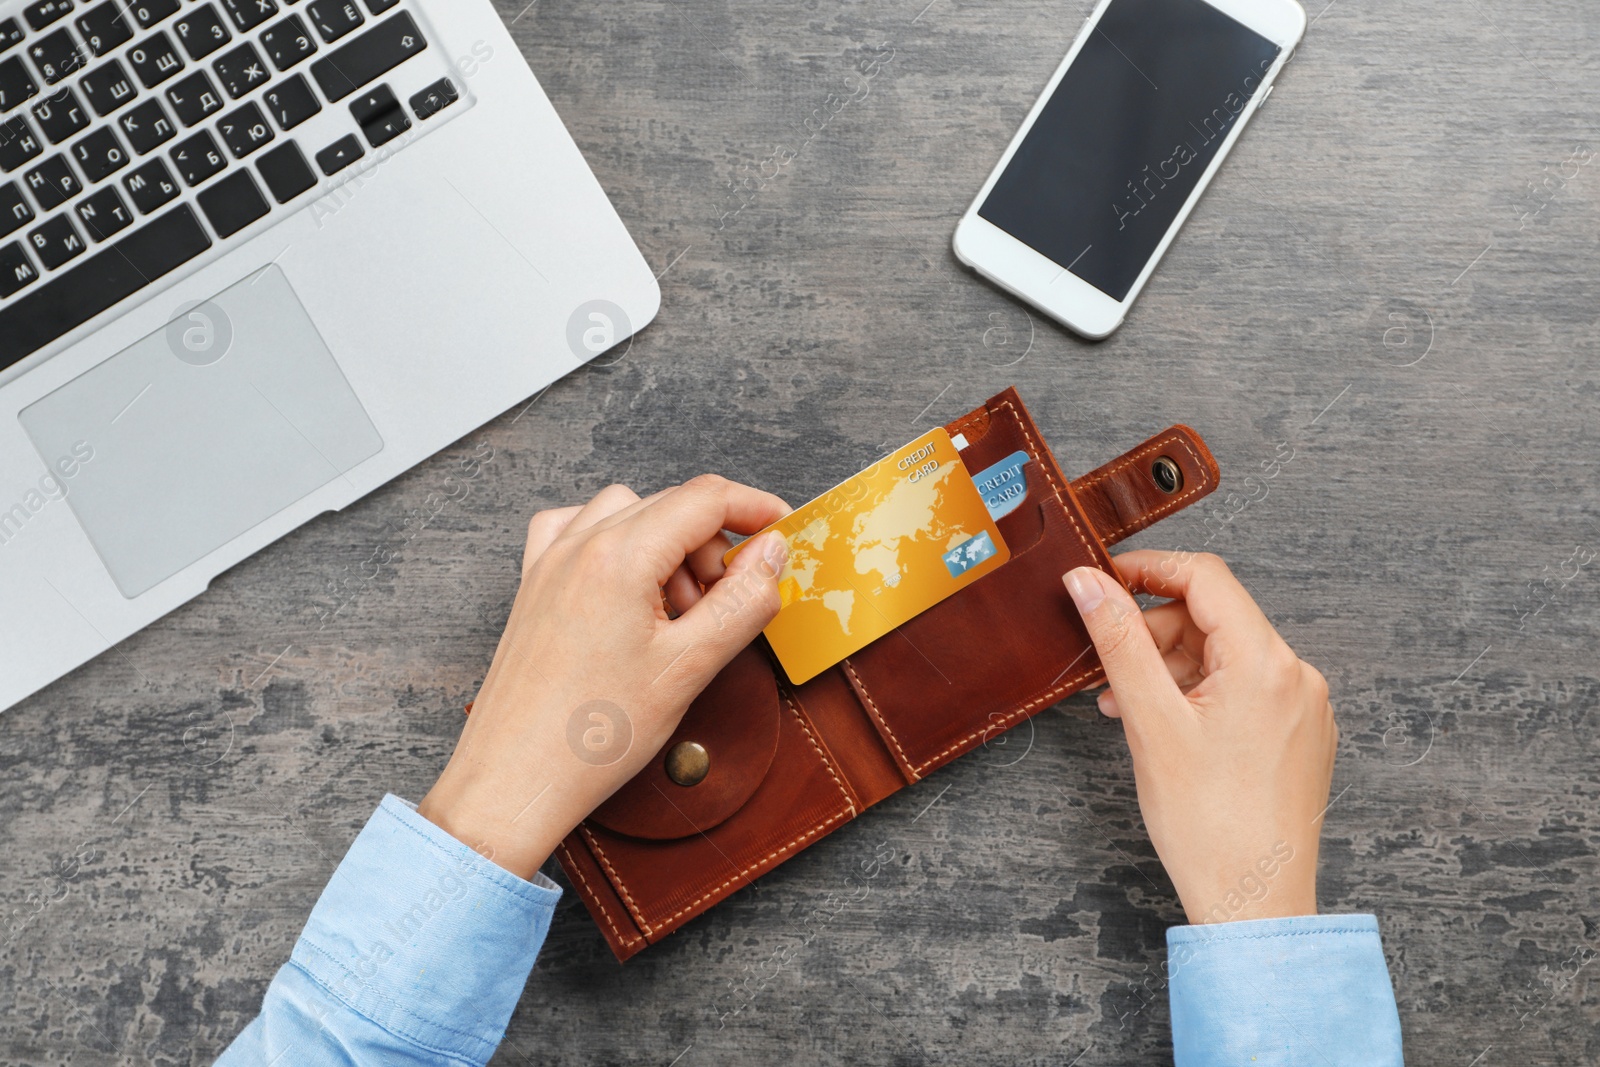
(202, 430)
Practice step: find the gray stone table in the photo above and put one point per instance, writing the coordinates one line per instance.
(1394, 282)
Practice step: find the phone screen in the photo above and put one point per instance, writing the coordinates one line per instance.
(1123, 141)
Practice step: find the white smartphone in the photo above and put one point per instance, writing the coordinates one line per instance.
(1124, 139)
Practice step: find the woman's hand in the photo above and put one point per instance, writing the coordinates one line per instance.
(593, 672)
(1231, 733)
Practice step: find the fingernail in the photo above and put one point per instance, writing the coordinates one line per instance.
(1084, 586)
(775, 552)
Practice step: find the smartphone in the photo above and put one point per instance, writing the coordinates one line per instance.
(1124, 139)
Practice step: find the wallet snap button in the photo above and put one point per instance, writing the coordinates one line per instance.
(1167, 474)
(688, 763)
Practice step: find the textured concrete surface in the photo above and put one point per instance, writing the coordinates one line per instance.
(1383, 318)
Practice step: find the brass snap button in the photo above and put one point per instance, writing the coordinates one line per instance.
(688, 763)
(1167, 474)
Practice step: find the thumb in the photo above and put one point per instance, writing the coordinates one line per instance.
(1138, 675)
(736, 607)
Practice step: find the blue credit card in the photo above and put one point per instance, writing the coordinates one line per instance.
(1003, 486)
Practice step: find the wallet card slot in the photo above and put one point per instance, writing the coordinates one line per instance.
(982, 660)
(1023, 529)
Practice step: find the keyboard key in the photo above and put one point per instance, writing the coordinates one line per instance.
(155, 59)
(55, 242)
(52, 182)
(16, 270)
(340, 154)
(150, 12)
(386, 127)
(16, 83)
(244, 130)
(248, 14)
(150, 186)
(107, 87)
(57, 55)
(198, 158)
(291, 102)
(15, 212)
(435, 98)
(99, 282)
(241, 70)
(104, 27)
(100, 155)
(60, 116)
(104, 214)
(284, 169)
(10, 33)
(334, 18)
(233, 203)
(18, 144)
(288, 42)
(202, 32)
(193, 98)
(378, 7)
(147, 127)
(45, 12)
(373, 103)
(369, 56)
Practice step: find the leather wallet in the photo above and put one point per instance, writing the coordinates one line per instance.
(781, 766)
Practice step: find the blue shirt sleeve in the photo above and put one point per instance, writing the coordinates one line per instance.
(1295, 992)
(415, 954)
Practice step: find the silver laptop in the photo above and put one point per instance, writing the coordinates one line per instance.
(258, 257)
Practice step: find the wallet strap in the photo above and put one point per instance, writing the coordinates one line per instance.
(1123, 497)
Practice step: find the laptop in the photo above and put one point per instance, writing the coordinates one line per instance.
(258, 257)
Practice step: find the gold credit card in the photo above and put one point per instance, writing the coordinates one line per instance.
(876, 550)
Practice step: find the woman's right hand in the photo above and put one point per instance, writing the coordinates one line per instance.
(1231, 733)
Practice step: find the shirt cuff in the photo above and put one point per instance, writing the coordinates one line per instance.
(424, 937)
(1282, 993)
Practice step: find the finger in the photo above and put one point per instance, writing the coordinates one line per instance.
(731, 613)
(1216, 600)
(688, 517)
(1173, 627)
(604, 504)
(543, 529)
(1132, 663)
(682, 590)
(706, 561)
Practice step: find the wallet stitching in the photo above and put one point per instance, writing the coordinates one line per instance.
(589, 892)
(758, 865)
(788, 698)
(617, 881)
(633, 908)
(872, 706)
(1004, 723)
(918, 770)
(1151, 516)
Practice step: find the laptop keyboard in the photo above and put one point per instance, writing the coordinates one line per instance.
(138, 137)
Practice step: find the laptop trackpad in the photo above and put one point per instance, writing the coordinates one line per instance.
(200, 431)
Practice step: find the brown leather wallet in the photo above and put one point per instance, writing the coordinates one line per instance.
(790, 764)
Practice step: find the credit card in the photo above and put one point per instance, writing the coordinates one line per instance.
(1003, 486)
(877, 550)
